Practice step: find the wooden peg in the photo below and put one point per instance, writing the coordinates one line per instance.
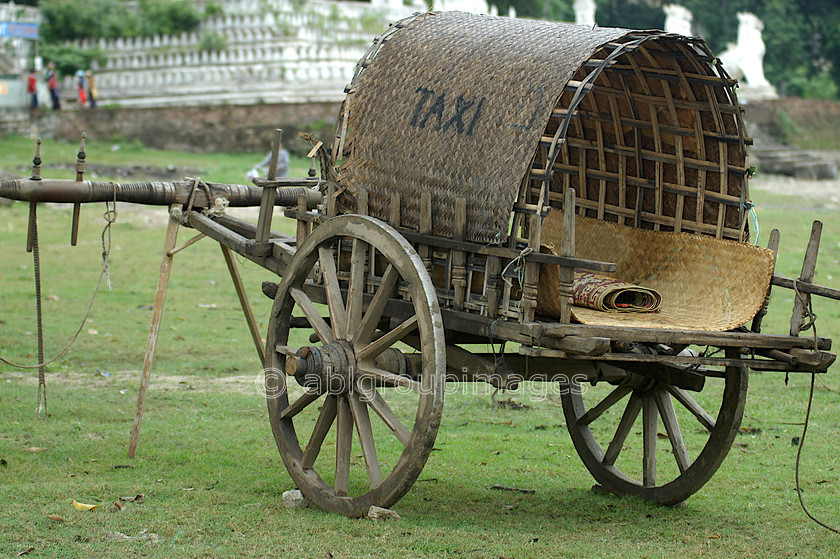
(772, 244)
(77, 207)
(36, 162)
(459, 257)
(426, 228)
(567, 248)
(809, 265)
(269, 193)
(80, 160)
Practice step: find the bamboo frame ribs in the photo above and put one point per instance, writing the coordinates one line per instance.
(650, 135)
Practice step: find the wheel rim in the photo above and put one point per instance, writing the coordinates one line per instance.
(381, 407)
(651, 439)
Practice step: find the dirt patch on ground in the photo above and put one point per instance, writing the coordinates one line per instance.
(234, 384)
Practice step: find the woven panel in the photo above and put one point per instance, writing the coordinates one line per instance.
(455, 104)
(706, 283)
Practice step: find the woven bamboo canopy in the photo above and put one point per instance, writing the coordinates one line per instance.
(508, 113)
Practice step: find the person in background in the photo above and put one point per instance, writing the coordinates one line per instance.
(32, 90)
(261, 168)
(92, 93)
(52, 84)
(80, 87)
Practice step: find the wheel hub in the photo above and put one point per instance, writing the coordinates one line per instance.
(330, 368)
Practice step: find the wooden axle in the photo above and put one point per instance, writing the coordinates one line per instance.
(152, 193)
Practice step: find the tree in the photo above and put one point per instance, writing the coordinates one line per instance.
(633, 14)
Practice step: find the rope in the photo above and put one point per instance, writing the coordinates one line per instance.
(110, 217)
(216, 206)
(751, 209)
(811, 324)
(41, 408)
(517, 263)
(799, 455)
(520, 271)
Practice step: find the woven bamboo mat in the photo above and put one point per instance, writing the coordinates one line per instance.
(455, 104)
(706, 283)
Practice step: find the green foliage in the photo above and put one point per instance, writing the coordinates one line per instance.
(815, 86)
(68, 20)
(634, 14)
(168, 17)
(785, 129)
(68, 58)
(554, 10)
(212, 9)
(373, 22)
(801, 36)
(212, 41)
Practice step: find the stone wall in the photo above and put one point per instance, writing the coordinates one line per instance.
(211, 128)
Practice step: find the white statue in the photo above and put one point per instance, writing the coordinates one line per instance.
(585, 12)
(678, 19)
(745, 59)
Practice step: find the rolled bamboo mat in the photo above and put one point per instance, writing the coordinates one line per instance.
(706, 283)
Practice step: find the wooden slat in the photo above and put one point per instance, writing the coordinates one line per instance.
(384, 411)
(363, 428)
(650, 422)
(370, 351)
(319, 432)
(356, 288)
(374, 311)
(343, 446)
(338, 315)
(312, 315)
(628, 418)
(672, 427)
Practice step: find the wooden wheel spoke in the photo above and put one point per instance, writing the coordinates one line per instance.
(312, 315)
(628, 418)
(650, 422)
(319, 432)
(298, 406)
(384, 411)
(612, 398)
(343, 446)
(691, 405)
(370, 351)
(362, 420)
(672, 427)
(357, 287)
(376, 307)
(389, 378)
(338, 315)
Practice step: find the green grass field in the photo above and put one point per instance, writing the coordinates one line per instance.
(209, 470)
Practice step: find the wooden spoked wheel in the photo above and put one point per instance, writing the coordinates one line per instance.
(355, 413)
(645, 437)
